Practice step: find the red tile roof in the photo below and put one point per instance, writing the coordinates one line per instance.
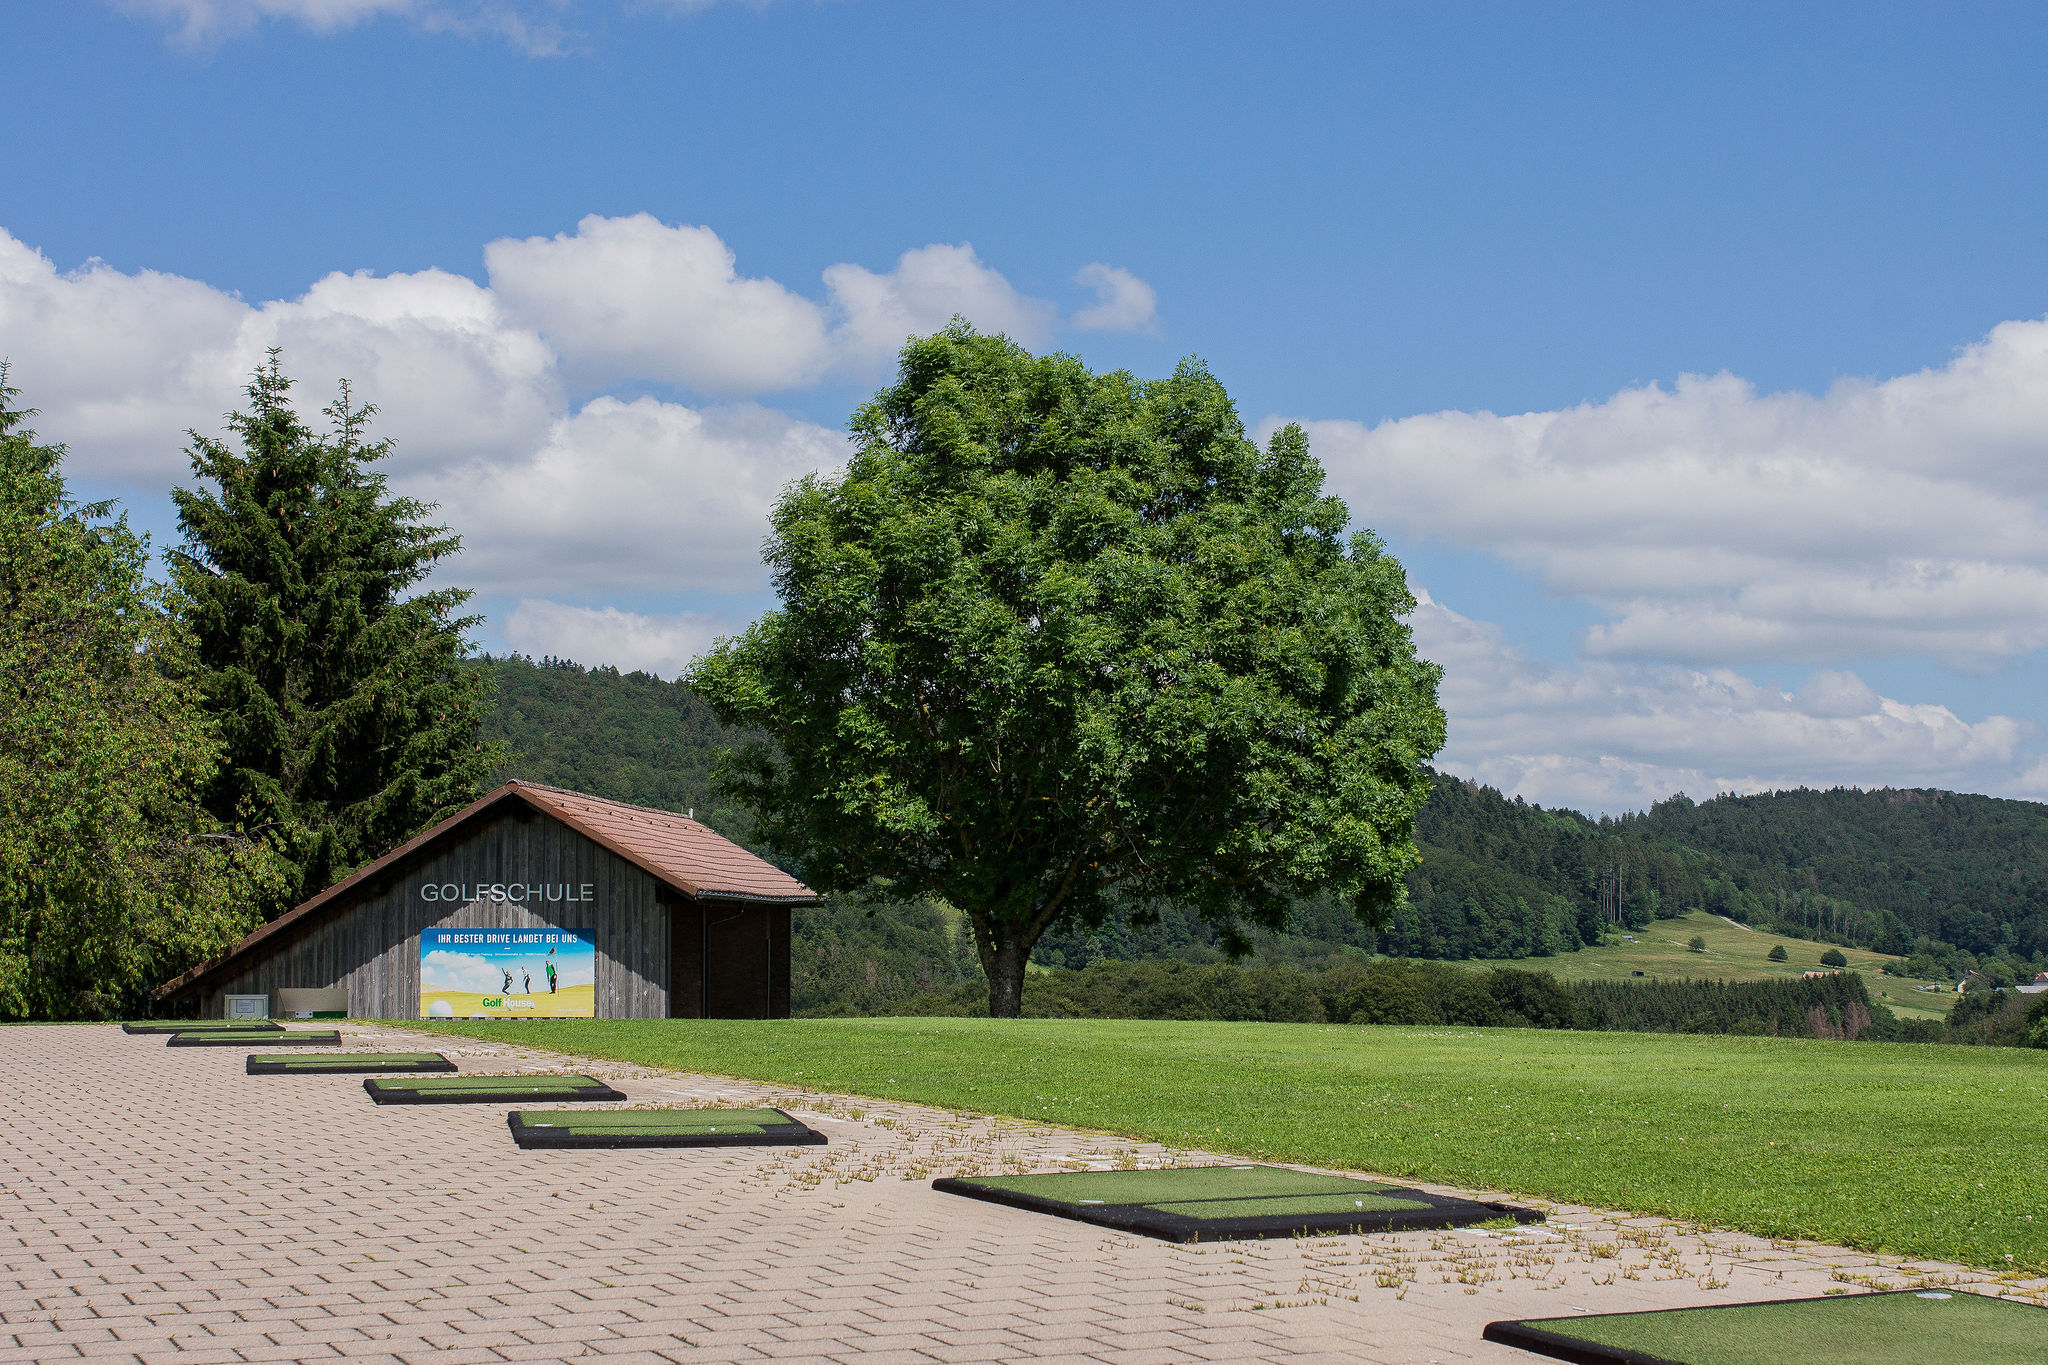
(674, 849)
(687, 855)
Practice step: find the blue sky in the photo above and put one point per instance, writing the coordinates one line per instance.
(1824, 566)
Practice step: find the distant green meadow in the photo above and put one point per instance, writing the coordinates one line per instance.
(1919, 1149)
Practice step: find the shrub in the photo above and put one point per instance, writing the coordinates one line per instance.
(1833, 958)
(1778, 953)
(1389, 998)
(1995, 1018)
(1359, 990)
(1535, 999)
(1698, 944)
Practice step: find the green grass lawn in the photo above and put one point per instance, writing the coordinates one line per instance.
(1921, 1149)
(1733, 954)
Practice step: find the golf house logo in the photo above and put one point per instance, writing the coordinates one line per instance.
(508, 973)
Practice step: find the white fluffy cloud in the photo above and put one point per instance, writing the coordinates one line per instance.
(661, 645)
(928, 286)
(121, 365)
(620, 495)
(1124, 303)
(635, 298)
(630, 497)
(1608, 735)
(1720, 525)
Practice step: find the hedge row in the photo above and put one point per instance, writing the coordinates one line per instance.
(1392, 991)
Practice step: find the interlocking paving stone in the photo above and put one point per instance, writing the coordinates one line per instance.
(163, 1207)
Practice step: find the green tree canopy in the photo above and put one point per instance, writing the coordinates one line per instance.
(348, 721)
(1058, 642)
(112, 877)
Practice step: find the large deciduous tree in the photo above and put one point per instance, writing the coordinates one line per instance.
(112, 876)
(1058, 643)
(348, 719)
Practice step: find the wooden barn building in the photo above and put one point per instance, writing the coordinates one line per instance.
(656, 915)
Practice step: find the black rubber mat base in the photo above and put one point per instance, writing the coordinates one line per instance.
(512, 1093)
(342, 1066)
(1895, 1332)
(1443, 1211)
(255, 1038)
(791, 1134)
(160, 1026)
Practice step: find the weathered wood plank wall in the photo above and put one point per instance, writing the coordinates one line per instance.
(372, 949)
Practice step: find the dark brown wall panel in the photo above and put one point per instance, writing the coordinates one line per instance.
(737, 962)
(686, 960)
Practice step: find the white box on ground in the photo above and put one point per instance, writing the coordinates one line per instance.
(248, 1007)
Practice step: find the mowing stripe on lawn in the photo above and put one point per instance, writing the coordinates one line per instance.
(659, 1128)
(346, 1063)
(1224, 1202)
(200, 1026)
(1904, 1327)
(488, 1089)
(255, 1038)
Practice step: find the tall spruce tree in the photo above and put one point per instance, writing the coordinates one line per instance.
(348, 721)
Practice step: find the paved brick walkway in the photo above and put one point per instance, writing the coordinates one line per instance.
(158, 1204)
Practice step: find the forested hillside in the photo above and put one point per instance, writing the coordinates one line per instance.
(1958, 881)
(625, 736)
(1882, 868)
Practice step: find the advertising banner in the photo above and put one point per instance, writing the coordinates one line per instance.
(508, 974)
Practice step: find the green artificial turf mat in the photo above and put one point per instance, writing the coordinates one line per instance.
(1152, 1187)
(1901, 1328)
(286, 1064)
(255, 1038)
(512, 1082)
(487, 1089)
(1268, 1208)
(1194, 1203)
(200, 1026)
(659, 1128)
(679, 1120)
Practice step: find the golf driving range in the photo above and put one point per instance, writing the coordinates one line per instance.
(925, 1224)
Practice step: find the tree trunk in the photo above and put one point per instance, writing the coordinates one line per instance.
(1005, 968)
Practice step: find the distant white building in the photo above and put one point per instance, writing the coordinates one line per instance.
(2036, 986)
